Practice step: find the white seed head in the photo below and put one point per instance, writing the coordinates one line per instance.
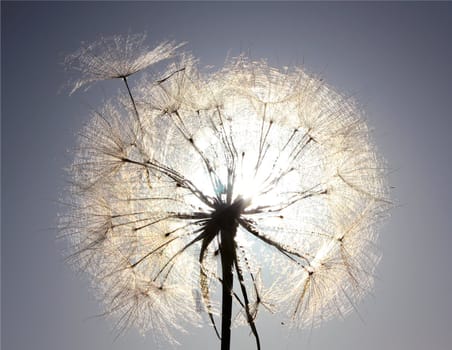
(294, 151)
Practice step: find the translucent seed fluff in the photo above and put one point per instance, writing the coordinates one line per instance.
(147, 175)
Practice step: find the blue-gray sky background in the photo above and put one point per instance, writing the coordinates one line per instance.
(395, 58)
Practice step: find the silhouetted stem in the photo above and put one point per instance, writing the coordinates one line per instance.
(131, 98)
(227, 261)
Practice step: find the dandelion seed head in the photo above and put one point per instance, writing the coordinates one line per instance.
(278, 155)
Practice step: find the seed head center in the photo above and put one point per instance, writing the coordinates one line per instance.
(225, 215)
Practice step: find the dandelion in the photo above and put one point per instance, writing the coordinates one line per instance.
(258, 183)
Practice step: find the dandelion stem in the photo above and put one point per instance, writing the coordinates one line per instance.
(227, 262)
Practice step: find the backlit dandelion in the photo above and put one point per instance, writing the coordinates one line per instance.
(254, 182)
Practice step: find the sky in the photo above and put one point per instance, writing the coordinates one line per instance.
(394, 58)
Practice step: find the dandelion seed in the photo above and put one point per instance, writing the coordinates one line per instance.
(116, 57)
(257, 181)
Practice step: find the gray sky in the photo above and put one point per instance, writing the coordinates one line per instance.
(393, 57)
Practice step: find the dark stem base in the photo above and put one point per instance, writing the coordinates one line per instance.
(227, 262)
